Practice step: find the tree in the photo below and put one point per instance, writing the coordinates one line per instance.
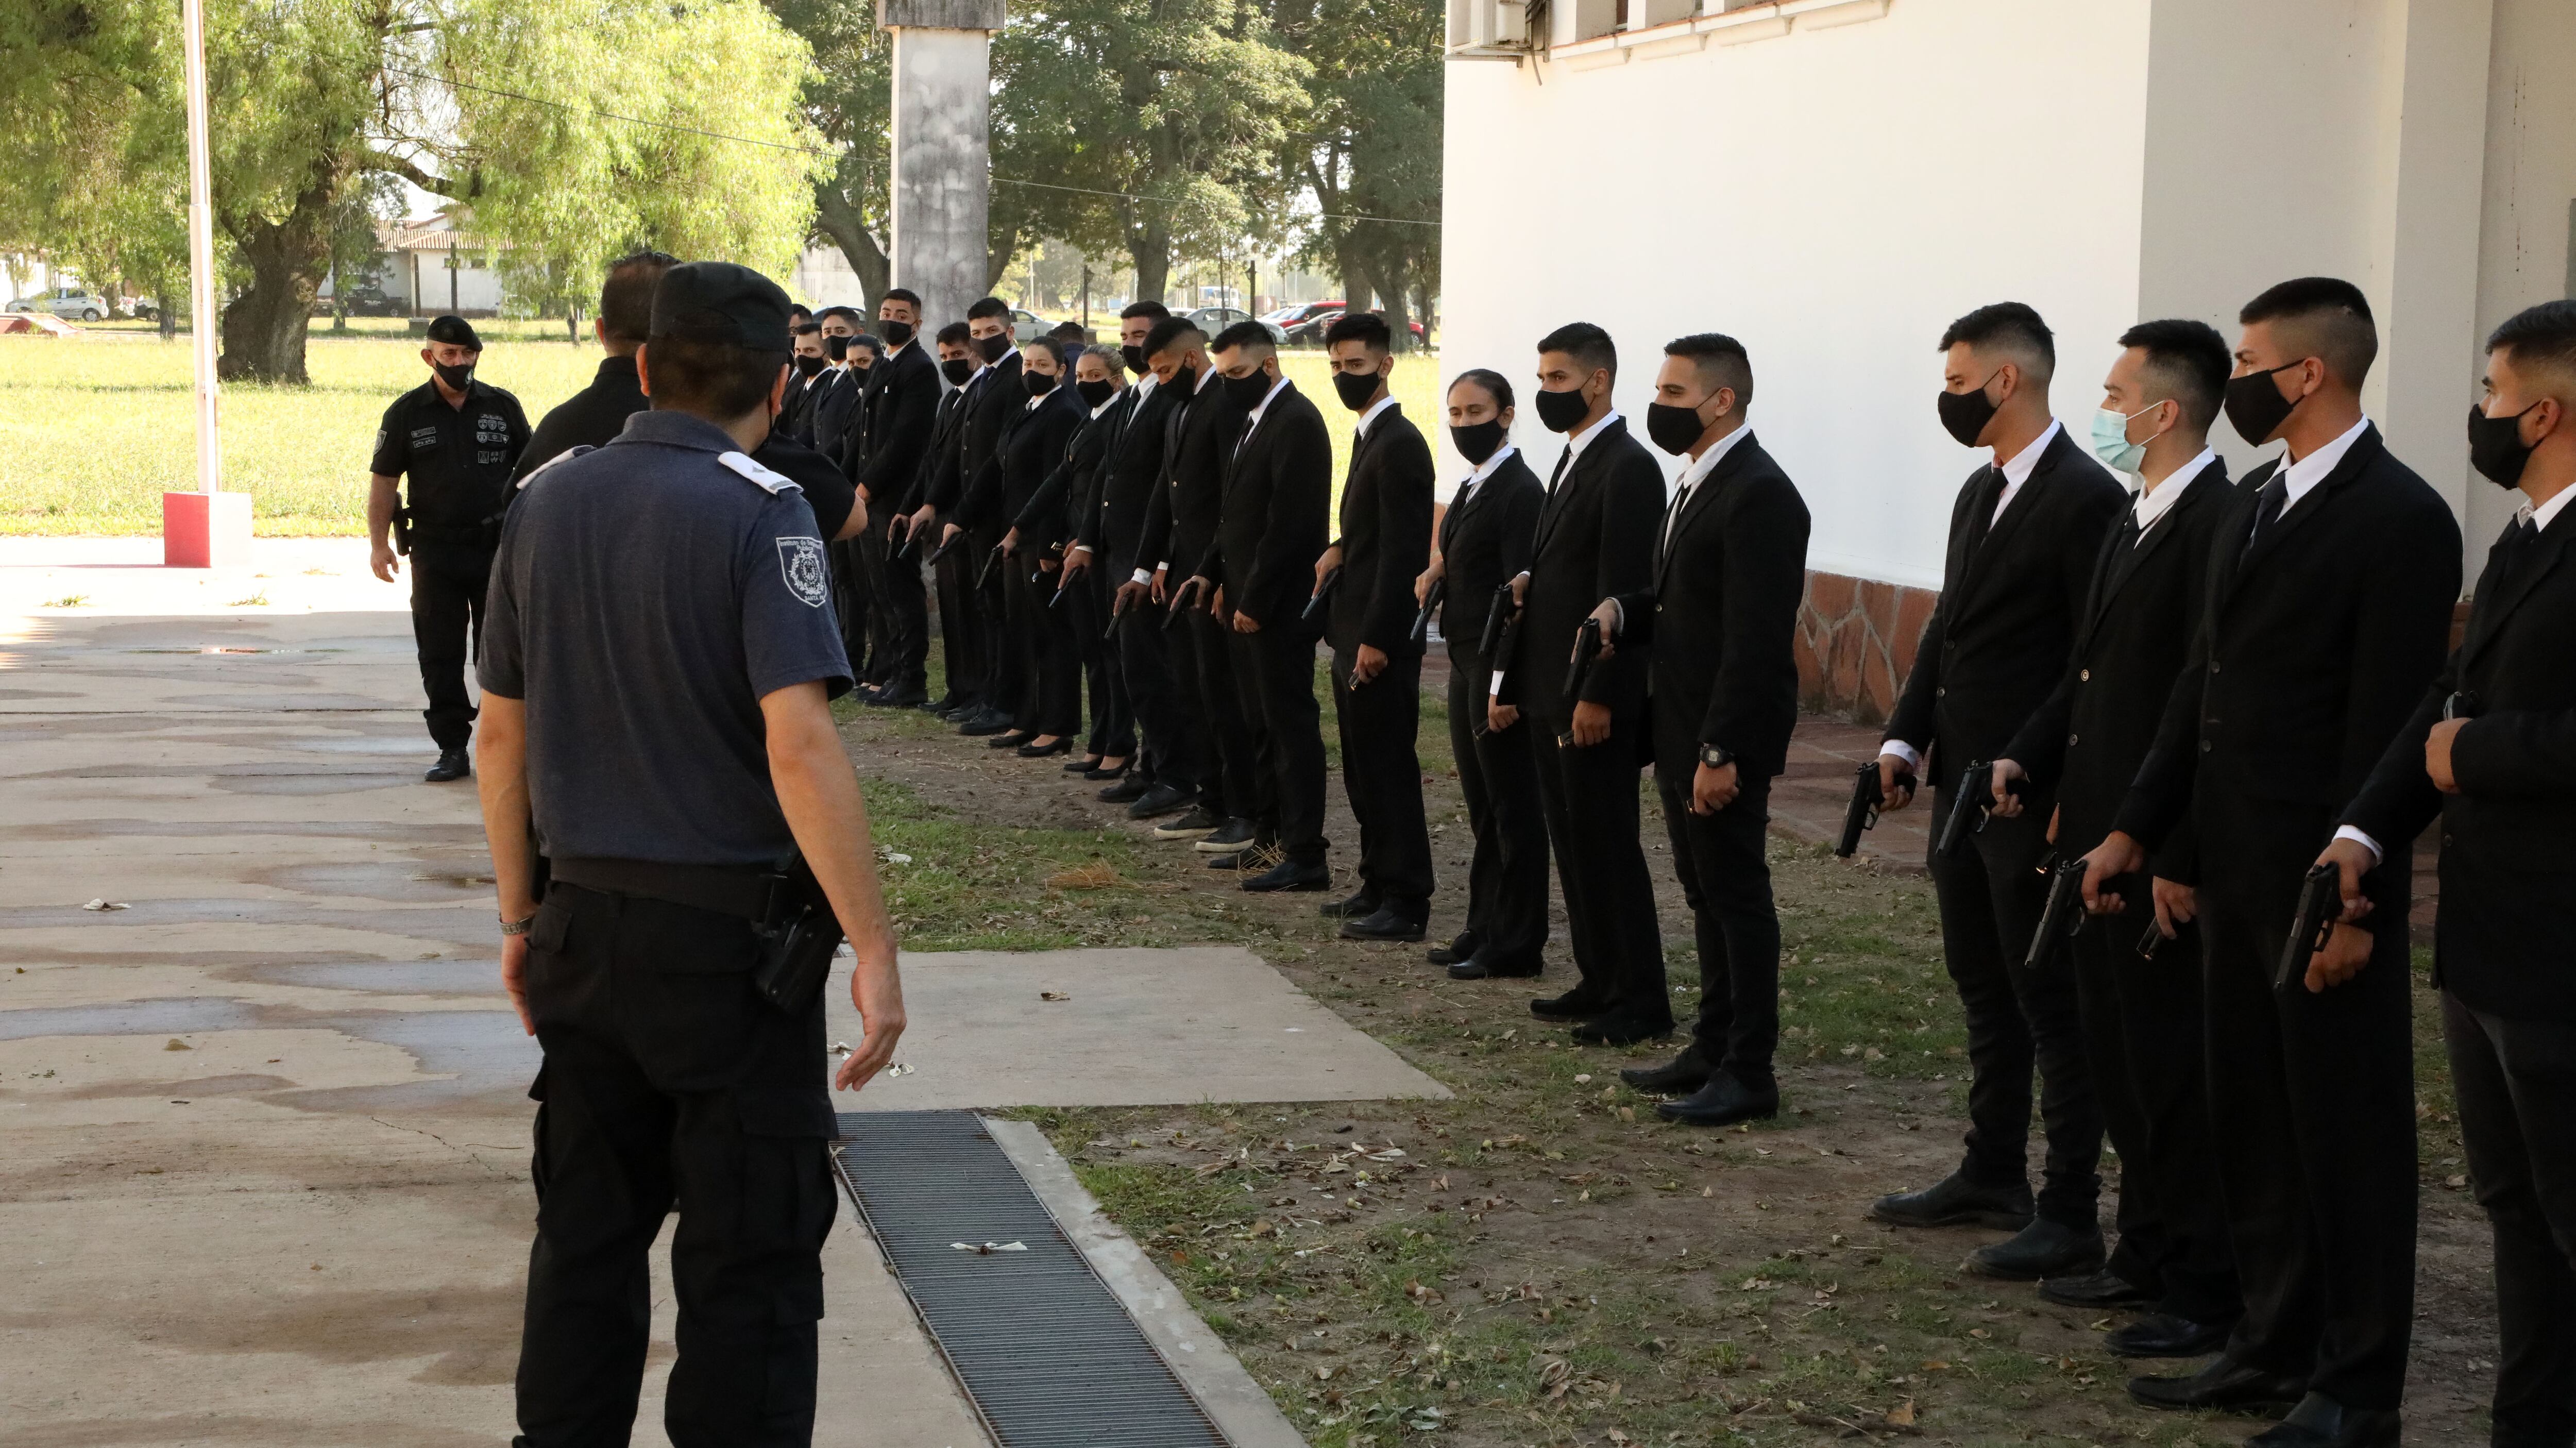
(575, 128)
(846, 100)
(1373, 150)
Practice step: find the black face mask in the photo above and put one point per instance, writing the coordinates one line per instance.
(2255, 406)
(994, 347)
(1247, 391)
(1356, 388)
(1674, 429)
(1038, 383)
(1560, 411)
(1478, 441)
(1096, 393)
(2496, 448)
(455, 374)
(957, 370)
(808, 364)
(896, 333)
(837, 348)
(1964, 415)
(1135, 358)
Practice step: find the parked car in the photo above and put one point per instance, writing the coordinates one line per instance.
(1296, 313)
(1028, 326)
(364, 299)
(71, 303)
(1213, 320)
(1310, 332)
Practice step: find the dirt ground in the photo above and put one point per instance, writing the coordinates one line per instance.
(1542, 1261)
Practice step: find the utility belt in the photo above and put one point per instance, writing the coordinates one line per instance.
(407, 531)
(785, 906)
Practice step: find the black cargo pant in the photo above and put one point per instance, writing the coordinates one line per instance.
(448, 581)
(666, 1076)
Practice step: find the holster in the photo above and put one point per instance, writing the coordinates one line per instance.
(786, 907)
(402, 531)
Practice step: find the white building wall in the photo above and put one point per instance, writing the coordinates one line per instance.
(2527, 239)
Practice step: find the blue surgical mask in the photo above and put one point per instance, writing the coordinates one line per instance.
(2111, 439)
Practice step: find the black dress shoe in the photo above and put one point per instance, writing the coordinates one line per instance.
(1121, 772)
(943, 703)
(1460, 946)
(1481, 966)
(2321, 1422)
(1724, 1101)
(1391, 921)
(1955, 1201)
(1083, 765)
(899, 696)
(1128, 790)
(2042, 1249)
(984, 722)
(2105, 1288)
(1623, 1028)
(1574, 1005)
(452, 765)
(1290, 875)
(1355, 907)
(1681, 1076)
(2163, 1335)
(1161, 800)
(1046, 751)
(2224, 1383)
(1009, 739)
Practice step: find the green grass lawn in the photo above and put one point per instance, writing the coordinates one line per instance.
(94, 429)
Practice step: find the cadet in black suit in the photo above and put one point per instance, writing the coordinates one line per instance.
(1595, 540)
(836, 389)
(936, 478)
(2023, 537)
(901, 401)
(2142, 1014)
(1722, 618)
(1039, 651)
(1377, 665)
(1053, 517)
(2487, 753)
(2330, 594)
(1106, 550)
(994, 397)
(1278, 489)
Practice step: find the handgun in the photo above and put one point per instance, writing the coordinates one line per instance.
(1431, 600)
(1498, 615)
(1323, 598)
(1976, 796)
(909, 534)
(1505, 637)
(1587, 649)
(1867, 799)
(1179, 601)
(942, 550)
(2320, 906)
(2063, 916)
(984, 574)
(2148, 942)
(402, 531)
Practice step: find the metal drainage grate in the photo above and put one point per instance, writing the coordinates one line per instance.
(1044, 1350)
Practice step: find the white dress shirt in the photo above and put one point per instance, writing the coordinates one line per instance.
(1360, 428)
(2300, 478)
(1692, 476)
(1485, 470)
(2017, 471)
(1574, 445)
(2153, 503)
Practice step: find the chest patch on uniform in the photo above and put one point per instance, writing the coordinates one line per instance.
(423, 438)
(800, 562)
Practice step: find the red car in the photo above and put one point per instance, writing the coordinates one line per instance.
(1320, 315)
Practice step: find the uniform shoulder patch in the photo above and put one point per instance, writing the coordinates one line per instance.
(800, 562)
(567, 455)
(774, 482)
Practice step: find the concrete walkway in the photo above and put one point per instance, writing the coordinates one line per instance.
(263, 1130)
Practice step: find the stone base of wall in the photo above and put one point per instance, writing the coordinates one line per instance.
(1856, 639)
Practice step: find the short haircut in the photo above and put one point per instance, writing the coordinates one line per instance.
(626, 297)
(2323, 317)
(719, 380)
(983, 307)
(2189, 360)
(954, 335)
(846, 314)
(1155, 310)
(1589, 346)
(901, 294)
(1366, 328)
(2013, 329)
(799, 309)
(870, 343)
(1496, 385)
(807, 329)
(1051, 345)
(1171, 331)
(1720, 361)
(2542, 339)
(1242, 334)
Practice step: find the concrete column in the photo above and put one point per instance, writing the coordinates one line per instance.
(941, 146)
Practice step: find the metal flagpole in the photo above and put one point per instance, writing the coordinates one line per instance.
(201, 251)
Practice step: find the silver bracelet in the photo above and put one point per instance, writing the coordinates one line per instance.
(518, 927)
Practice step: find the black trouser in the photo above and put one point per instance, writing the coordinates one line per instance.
(1507, 883)
(1203, 687)
(2516, 1085)
(1275, 670)
(962, 639)
(1086, 609)
(897, 606)
(1051, 657)
(2143, 1029)
(1718, 858)
(1591, 799)
(1991, 895)
(1174, 743)
(2313, 1111)
(448, 581)
(1383, 776)
(850, 600)
(1001, 682)
(666, 1075)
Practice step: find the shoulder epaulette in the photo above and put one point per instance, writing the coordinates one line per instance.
(566, 454)
(774, 482)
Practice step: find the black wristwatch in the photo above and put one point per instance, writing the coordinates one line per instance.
(1714, 757)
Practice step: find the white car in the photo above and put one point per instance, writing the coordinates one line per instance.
(70, 303)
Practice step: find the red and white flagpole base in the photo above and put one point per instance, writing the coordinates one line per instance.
(205, 530)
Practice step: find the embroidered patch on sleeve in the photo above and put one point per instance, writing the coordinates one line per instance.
(800, 562)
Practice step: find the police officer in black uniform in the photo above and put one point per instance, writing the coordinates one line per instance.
(457, 439)
(657, 680)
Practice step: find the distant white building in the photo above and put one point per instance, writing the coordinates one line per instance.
(1832, 181)
(438, 269)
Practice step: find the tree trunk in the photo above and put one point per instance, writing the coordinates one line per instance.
(264, 328)
(1391, 291)
(1149, 246)
(1355, 285)
(842, 220)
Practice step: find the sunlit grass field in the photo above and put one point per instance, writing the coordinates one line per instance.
(94, 429)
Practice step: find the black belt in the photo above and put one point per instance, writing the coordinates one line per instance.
(443, 533)
(746, 891)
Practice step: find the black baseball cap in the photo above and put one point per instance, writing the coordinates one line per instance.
(721, 303)
(455, 331)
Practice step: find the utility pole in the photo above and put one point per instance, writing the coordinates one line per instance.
(1086, 298)
(209, 526)
(942, 133)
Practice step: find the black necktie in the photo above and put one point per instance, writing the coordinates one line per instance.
(2513, 552)
(2267, 508)
(1984, 517)
(2129, 530)
(1558, 476)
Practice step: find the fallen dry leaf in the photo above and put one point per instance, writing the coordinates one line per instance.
(1084, 877)
(178, 1045)
(1053, 995)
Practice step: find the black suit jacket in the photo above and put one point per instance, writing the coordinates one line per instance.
(1053, 512)
(2505, 941)
(588, 418)
(1386, 537)
(1198, 443)
(901, 403)
(1278, 493)
(1595, 540)
(2315, 645)
(1129, 481)
(1031, 451)
(836, 403)
(1722, 618)
(938, 454)
(992, 400)
(1486, 540)
(2141, 613)
(1999, 638)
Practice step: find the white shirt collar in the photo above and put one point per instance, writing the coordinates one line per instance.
(2298, 477)
(1575, 444)
(2018, 468)
(1360, 428)
(1041, 397)
(895, 351)
(1252, 419)
(1707, 462)
(2153, 504)
(2539, 517)
(1144, 386)
(1108, 402)
(1503, 454)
